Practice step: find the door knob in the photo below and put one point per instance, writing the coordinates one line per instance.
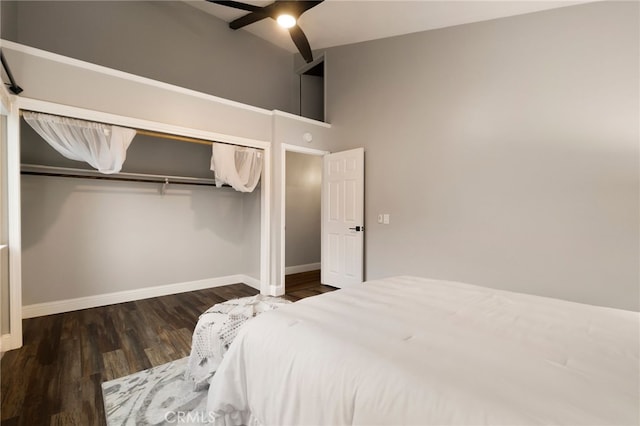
(357, 228)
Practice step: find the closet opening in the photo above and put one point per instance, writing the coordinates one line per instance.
(158, 226)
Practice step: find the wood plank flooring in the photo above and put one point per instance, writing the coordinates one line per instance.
(305, 284)
(56, 377)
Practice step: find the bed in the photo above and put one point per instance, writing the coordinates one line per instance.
(409, 350)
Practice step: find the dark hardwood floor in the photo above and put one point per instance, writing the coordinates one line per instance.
(305, 284)
(56, 377)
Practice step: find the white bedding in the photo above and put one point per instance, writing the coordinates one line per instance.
(407, 350)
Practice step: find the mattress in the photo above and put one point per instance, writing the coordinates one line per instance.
(414, 351)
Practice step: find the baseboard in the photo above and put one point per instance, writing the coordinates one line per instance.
(7, 343)
(251, 282)
(276, 290)
(59, 306)
(301, 268)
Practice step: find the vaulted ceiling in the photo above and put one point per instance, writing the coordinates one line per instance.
(339, 22)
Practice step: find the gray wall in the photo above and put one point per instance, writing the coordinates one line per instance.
(251, 232)
(303, 209)
(8, 19)
(312, 97)
(506, 152)
(168, 41)
(82, 237)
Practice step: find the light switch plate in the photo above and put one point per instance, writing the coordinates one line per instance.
(385, 218)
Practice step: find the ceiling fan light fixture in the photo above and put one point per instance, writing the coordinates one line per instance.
(286, 21)
(285, 12)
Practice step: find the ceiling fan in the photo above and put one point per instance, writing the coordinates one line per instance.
(286, 13)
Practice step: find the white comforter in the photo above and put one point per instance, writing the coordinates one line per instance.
(408, 350)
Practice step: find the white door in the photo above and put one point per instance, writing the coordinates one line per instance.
(343, 218)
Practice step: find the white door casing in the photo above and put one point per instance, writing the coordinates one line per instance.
(284, 148)
(343, 218)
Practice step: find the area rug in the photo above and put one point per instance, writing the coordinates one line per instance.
(157, 396)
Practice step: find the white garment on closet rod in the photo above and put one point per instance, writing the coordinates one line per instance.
(103, 146)
(237, 166)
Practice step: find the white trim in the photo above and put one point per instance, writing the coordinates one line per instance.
(252, 282)
(265, 224)
(324, 88)
(5, 339)
(135, 123)
(5, 100)
(302, 119)
(15, 230)
(303, 149)
(32, 51)
(283, 199)
(302, 268)
(59, 306)
(6, 343)
(275, 290)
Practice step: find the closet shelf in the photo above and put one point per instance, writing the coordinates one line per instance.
(39, 170)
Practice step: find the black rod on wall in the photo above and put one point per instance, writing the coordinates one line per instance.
(12, 83)
(40, 170)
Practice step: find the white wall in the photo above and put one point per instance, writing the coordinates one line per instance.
(303, 209)
(506, 151)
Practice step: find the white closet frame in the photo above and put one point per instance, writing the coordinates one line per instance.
(14, 339)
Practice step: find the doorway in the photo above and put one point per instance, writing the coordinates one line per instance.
(302, 210)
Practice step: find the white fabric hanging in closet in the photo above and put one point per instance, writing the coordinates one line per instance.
(237, 166)
(103, 146)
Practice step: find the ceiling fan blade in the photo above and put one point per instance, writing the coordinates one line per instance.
(237, 5)
(273, 10)
(248, 19)
(301, 43)
(306, 5)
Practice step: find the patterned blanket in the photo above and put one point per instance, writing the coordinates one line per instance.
(217, 328)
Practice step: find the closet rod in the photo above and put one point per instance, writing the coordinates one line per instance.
(173, 137)
(38, 170)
